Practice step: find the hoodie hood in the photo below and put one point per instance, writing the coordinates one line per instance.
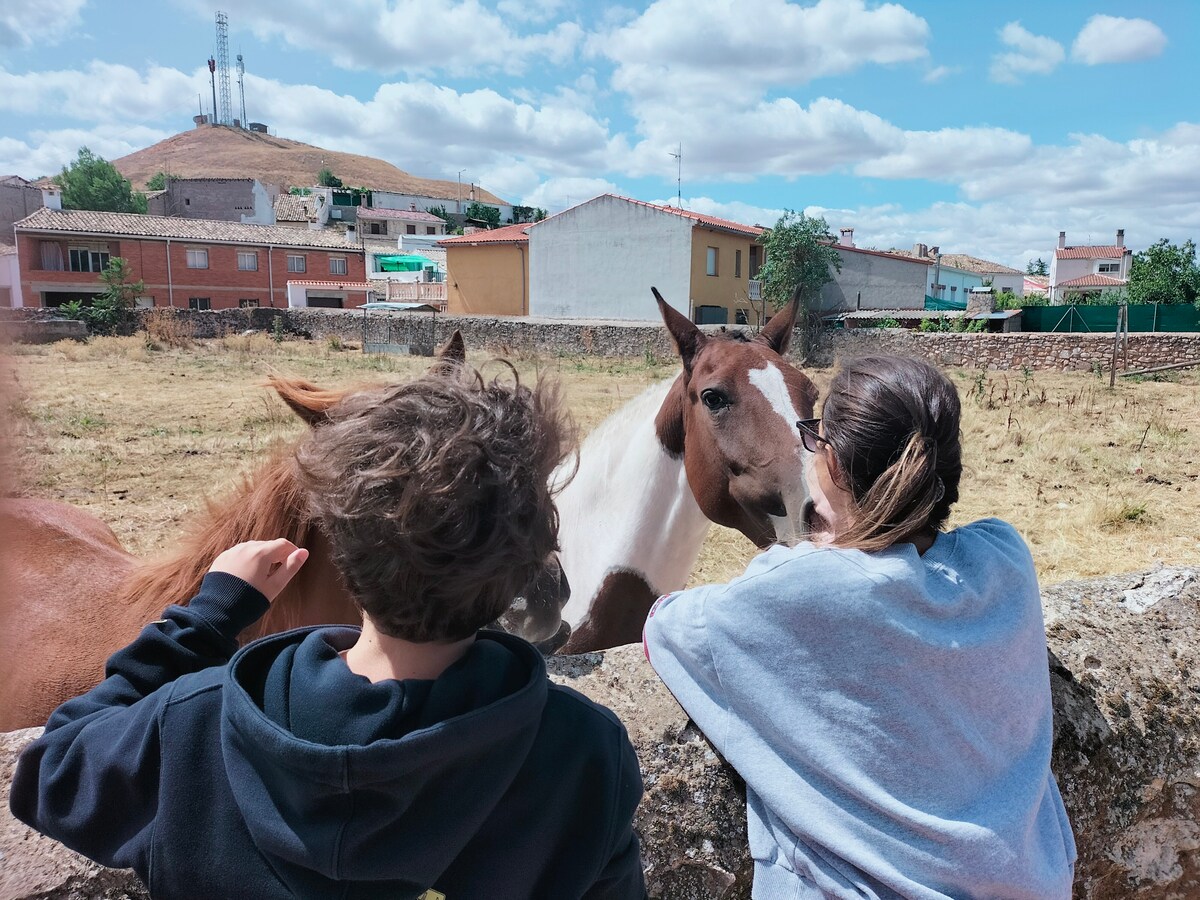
(341, 779)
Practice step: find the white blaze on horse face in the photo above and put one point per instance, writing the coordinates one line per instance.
(773, 386)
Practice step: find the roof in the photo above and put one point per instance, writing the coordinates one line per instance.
(1112, 252)
(408, 215)
(79, 221)
(897, 314)
(966, 263)
(293, 208)
(509, 234)
(891, 254)
(699, 218)
(1093, 281)
(14, 181)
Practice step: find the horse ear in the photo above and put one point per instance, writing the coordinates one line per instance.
(451, 355)
(305, 399)
(668, 424)
(687, 337)
(778, 333)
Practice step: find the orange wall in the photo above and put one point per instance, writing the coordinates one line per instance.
(488, 280)
(725, 288)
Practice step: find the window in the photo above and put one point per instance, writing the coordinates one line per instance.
(88, 260)
(248, 262)
(52, 260)
(1109, 268)
(197, 259)
(248, 304)
(410, 229)
(199, 303)
(429, 229)
(375, 228)
(337, 265)
(711, 267)
(297, 264)
(737, 267)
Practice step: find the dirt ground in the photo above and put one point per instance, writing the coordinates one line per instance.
(1099, 481)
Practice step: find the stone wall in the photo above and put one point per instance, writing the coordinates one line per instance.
(1124, 659)
(603, 337)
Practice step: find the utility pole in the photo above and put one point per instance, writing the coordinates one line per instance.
(678, 155)
(458, 193)
(212, 76)
(241, 70)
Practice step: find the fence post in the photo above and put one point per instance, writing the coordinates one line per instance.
(1112, 372)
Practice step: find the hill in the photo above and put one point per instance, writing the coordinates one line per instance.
(220, 152)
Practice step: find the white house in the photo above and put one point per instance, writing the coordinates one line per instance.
(599, 260)
(1088, 269)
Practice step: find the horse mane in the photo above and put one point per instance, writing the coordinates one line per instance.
(268, 504)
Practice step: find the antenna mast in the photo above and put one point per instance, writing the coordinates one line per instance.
(241, 70)
(225, 116)
(678, 155)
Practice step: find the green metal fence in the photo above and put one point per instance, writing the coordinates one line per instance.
(1142, 317)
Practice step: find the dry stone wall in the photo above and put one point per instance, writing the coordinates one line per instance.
(1124, 659)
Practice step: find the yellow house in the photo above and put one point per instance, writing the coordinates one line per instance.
(487, 272)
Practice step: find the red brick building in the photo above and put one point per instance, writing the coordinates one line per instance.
(196, 263)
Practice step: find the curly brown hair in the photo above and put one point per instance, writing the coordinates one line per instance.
(435, 497)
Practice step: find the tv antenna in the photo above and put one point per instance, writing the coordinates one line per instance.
(678, 156)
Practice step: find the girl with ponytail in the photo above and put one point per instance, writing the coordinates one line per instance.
(882, 687)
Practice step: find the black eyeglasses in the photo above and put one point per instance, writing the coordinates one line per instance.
(810, 434)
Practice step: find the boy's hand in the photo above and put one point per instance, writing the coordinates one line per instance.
(267, 566)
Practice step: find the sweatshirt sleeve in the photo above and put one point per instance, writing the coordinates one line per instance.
(677, 645)
(91, 780)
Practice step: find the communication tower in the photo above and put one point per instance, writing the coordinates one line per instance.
(224, 115)
(241, 70)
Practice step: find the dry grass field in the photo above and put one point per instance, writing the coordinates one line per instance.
(1099, 481)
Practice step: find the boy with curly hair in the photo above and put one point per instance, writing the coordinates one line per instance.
(418, 756)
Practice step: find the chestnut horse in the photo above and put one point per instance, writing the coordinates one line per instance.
(719, 443)
(74, 595)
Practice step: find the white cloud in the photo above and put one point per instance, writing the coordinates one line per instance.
(24, 23)
(1031, 54)
(1111, 39)
(46, 152)
(103, 92)
(939, 73)
(460, 36)
(556, 194)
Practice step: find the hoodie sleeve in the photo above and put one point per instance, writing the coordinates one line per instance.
(91, 780)
(678, 648)
(621, 878)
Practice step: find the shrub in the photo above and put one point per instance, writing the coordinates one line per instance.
(166, 328)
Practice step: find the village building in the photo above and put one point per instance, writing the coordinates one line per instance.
(1089, 269)
(244, 200)
(188, 263)
(873, 280)
(487, 272)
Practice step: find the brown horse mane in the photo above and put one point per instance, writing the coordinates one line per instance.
(267, 504)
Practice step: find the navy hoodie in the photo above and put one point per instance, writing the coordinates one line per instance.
(274, 771)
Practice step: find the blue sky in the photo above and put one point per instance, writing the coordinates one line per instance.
(982, 127)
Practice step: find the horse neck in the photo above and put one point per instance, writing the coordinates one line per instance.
(268, 504)
(628, 508)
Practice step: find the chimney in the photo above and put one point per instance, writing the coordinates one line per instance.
(1062, 240)
(351, 234)
(1120, 237)
(51, 198)
(412, 207)
(920, 251)
(847, 237)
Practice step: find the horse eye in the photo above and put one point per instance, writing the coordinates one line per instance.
(713, 399)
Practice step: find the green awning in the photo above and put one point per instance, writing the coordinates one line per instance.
(404, 262)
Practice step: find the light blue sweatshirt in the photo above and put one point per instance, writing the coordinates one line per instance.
(890, 713)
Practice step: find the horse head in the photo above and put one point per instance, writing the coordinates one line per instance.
(536, 615)
(731, 415)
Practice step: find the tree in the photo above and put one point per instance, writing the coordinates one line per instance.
(1165, 273)
(326, 178)
(1037, 267)
(158, 182)
(481, 212)
(440, 212)
(91, 182)
(118, 288)
(799, 257)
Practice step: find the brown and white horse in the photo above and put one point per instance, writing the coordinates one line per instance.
(719, 443)
(73, 595)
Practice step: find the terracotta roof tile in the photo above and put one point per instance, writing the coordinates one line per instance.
(712, 221)
(408, 215)
(1093, 281)
(965, 262)
(334, 285)
(509, 234)
(78, 221)
(1091, 252)
(293, 208)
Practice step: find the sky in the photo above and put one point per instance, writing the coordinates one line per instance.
(981, 127)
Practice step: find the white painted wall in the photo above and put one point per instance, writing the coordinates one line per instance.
(264, 206)
(870, 281)
(956, 283)
(391, 200)
(10, 277)
(599, 260)
(1003, 281)
(1067, 269)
